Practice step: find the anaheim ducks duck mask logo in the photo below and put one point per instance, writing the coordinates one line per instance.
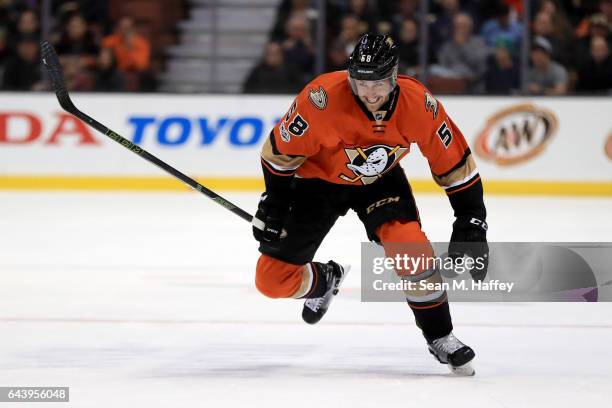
(370, 163)
(318, 98)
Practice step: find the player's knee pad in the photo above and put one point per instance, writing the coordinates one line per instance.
(401, 231)
(404, 240)
(277, 279)
(422, 280)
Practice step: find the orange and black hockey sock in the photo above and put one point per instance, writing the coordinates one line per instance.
(320, 273)
(430, 308)
(434, 320)
(277, 279)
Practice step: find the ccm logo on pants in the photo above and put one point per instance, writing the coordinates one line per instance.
(382, 202)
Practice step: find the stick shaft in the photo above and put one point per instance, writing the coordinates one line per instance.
(51, 62)
(163, 165)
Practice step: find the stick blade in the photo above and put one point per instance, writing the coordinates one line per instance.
(51, 62)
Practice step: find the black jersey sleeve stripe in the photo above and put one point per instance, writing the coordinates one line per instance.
(275, 148)
(273, 143)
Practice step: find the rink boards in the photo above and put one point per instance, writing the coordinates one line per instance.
(558, 146)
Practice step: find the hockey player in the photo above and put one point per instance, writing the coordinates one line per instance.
(338, 148)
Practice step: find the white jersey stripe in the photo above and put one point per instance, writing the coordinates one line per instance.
(459, 182)
(279, 167)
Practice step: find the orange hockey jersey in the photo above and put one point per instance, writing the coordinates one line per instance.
(327, 133)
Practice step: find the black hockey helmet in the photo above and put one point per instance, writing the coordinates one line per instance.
(374, 58)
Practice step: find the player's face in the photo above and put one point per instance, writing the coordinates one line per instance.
(373, 93)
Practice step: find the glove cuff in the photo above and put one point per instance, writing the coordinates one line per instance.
(468, 222)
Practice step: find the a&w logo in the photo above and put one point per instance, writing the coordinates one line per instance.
(516, 134)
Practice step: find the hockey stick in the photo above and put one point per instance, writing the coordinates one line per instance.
(51, 62)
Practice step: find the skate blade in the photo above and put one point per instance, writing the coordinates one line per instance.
(346, 268)
(465, 370)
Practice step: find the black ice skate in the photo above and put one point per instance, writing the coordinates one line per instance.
(449, 350)
(315, 308)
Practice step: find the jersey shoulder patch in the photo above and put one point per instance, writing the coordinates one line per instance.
(416, 90)
(431, 105)
(318, 97)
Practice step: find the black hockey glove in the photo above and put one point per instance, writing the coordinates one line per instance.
(272, 210)
(469, 238)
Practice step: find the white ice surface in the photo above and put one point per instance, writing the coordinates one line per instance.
(147, 300)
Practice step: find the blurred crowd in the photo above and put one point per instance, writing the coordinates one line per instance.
(474, 45)
(96, 53)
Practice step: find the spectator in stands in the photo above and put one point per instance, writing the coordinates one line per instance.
(77, 40)
(408, 44)
(95, 12)
(503, 75)
(543, 27)
(598, 27)
(605, 8)
(367, 17)
(407, 9)
(465, 55)
(337, 57)
(22, 72)
(576, 11)
(441, 28)
(272, 75)
(601, 26)
(503, 30)
(545, 77)
(6, 14)
(27, 26)
(350, 32)
(131, 51)
(595, 74)
(76, 76)
(286, 9)
(63, 10)
(333, 10)
(560, 23)
(297, 47)
(107, 77)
